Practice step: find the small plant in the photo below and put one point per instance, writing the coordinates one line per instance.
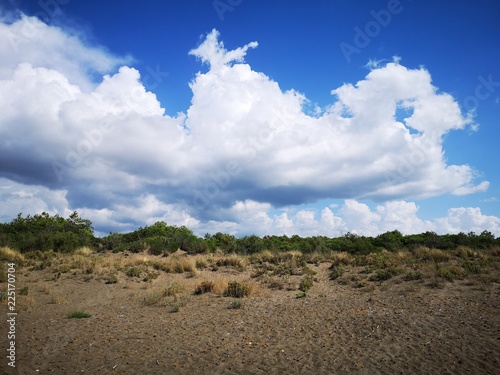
(335, 272)
(276, 284)
(384, 274)
(175, 308)
(133, 272)
(152, 298)
(306, 284)
(204, 287)
(360, 284)
(64, 268)
(235, 305)
(23, 291)
(112, 280)
(79, 315)
(413, 275)
(446, 274)
(471, 266)
(150, 276)
(201, 264)
(3, 295)
(301, 295)
(237, 290)
(172, 290)
(233, 261)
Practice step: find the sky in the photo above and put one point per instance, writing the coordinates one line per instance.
(253, 117)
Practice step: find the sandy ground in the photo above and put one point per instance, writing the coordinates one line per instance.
(392, 327)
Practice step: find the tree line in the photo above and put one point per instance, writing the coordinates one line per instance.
(44, 232)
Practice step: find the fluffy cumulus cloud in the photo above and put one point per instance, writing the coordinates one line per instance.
(78, 130)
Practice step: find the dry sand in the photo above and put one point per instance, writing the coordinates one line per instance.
(385, 328)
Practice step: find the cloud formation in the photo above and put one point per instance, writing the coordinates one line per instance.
(243, 148)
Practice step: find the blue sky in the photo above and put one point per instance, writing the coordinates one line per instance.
(303, 132)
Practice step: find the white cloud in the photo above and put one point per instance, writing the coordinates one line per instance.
(467, 219)
(244, 147)
(30, 40)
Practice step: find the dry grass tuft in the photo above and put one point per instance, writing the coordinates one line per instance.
(344, 258)
(237, 262)
(84, 251)
(25, 304)
(11, 255)
(57, 300)
(431, 255)
(172, 290)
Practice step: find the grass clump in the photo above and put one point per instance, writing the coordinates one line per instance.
(204, 287)
(237, 290)
(153, 298)
(112, 280)
(172, 290)
(234, 305)
(133, 272)
(335, 271)
(234, 261)
(384, 274)
(472, 266)
(413, 275)
(306, 283)
(11, 255)
(180, 264)
(78, 315)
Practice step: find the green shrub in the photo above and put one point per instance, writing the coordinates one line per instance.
(235, 305)
(172, 290)
(78, 315)
(446, 274)
(112, 280)
(301, 295)
(306, 283)
(472, 266)
(413, 275)
(335, 272)
(384, 274)
(237, 290)
(133, 272)
(201, 264)
(204, 287)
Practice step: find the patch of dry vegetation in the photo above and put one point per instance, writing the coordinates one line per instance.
(10, 255)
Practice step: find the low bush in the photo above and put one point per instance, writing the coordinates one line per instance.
(384, 274)
(204, 287)
(237, 290)
(413, 275)
(306, 283)
(235, 305)
(335, 272)
(172, 290)
(133, 272)
(10, 255)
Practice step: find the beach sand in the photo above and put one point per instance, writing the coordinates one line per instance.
(390, 327)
